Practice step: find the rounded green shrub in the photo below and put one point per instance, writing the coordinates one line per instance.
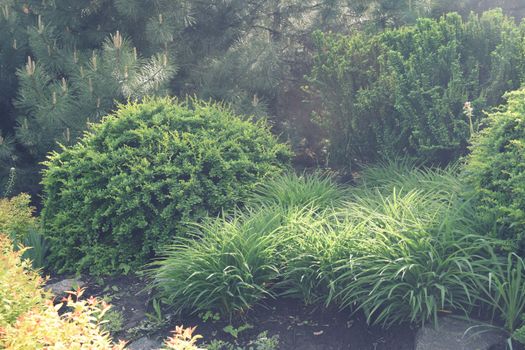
(134, 180)
(496, 170)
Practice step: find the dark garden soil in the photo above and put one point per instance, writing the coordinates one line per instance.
(297, 326)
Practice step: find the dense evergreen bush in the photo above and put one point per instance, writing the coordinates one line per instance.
(496, 170)
(404, 91)
(132, 182)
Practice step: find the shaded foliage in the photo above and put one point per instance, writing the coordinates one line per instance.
(403, 92)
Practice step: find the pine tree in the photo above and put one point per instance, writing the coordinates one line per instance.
(73, 63)
(13, 49)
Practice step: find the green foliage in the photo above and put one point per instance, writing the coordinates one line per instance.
(235, 331)
(262, 342)
(112, 321)
(519, 334)
(37, 248)
(131, 183)
(16, 217)
(399, 248)
(409, 264)
(502, 291)
(496, 170)
(229, 269)
(52, 110)
(402, 92)
(298, 191)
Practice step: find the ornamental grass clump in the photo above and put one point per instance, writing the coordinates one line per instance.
(130, 185)
(291, 190)
(414, 256)
(404, 174)
(318, 241)
(229, 266)
(401, 250)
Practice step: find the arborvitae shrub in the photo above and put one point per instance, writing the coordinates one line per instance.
(496, 170)
(135, 179)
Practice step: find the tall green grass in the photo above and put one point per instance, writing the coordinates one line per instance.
(37, 248)
(405, 175)
(503, 290)
(316, 242)
(401, 249)
(228, 267)
(317, 190)
(401, 246)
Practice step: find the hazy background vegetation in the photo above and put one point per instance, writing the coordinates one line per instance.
(65, 63)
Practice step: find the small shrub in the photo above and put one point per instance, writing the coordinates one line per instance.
(16, 217)
(496, 170)
(20, 287)
(112, 321)
(30, 321)
(18, 222)
(130, 185)
(182, 339)
(77, 328)
(229, 269)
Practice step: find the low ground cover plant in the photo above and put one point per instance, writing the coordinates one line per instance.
(134, 181)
